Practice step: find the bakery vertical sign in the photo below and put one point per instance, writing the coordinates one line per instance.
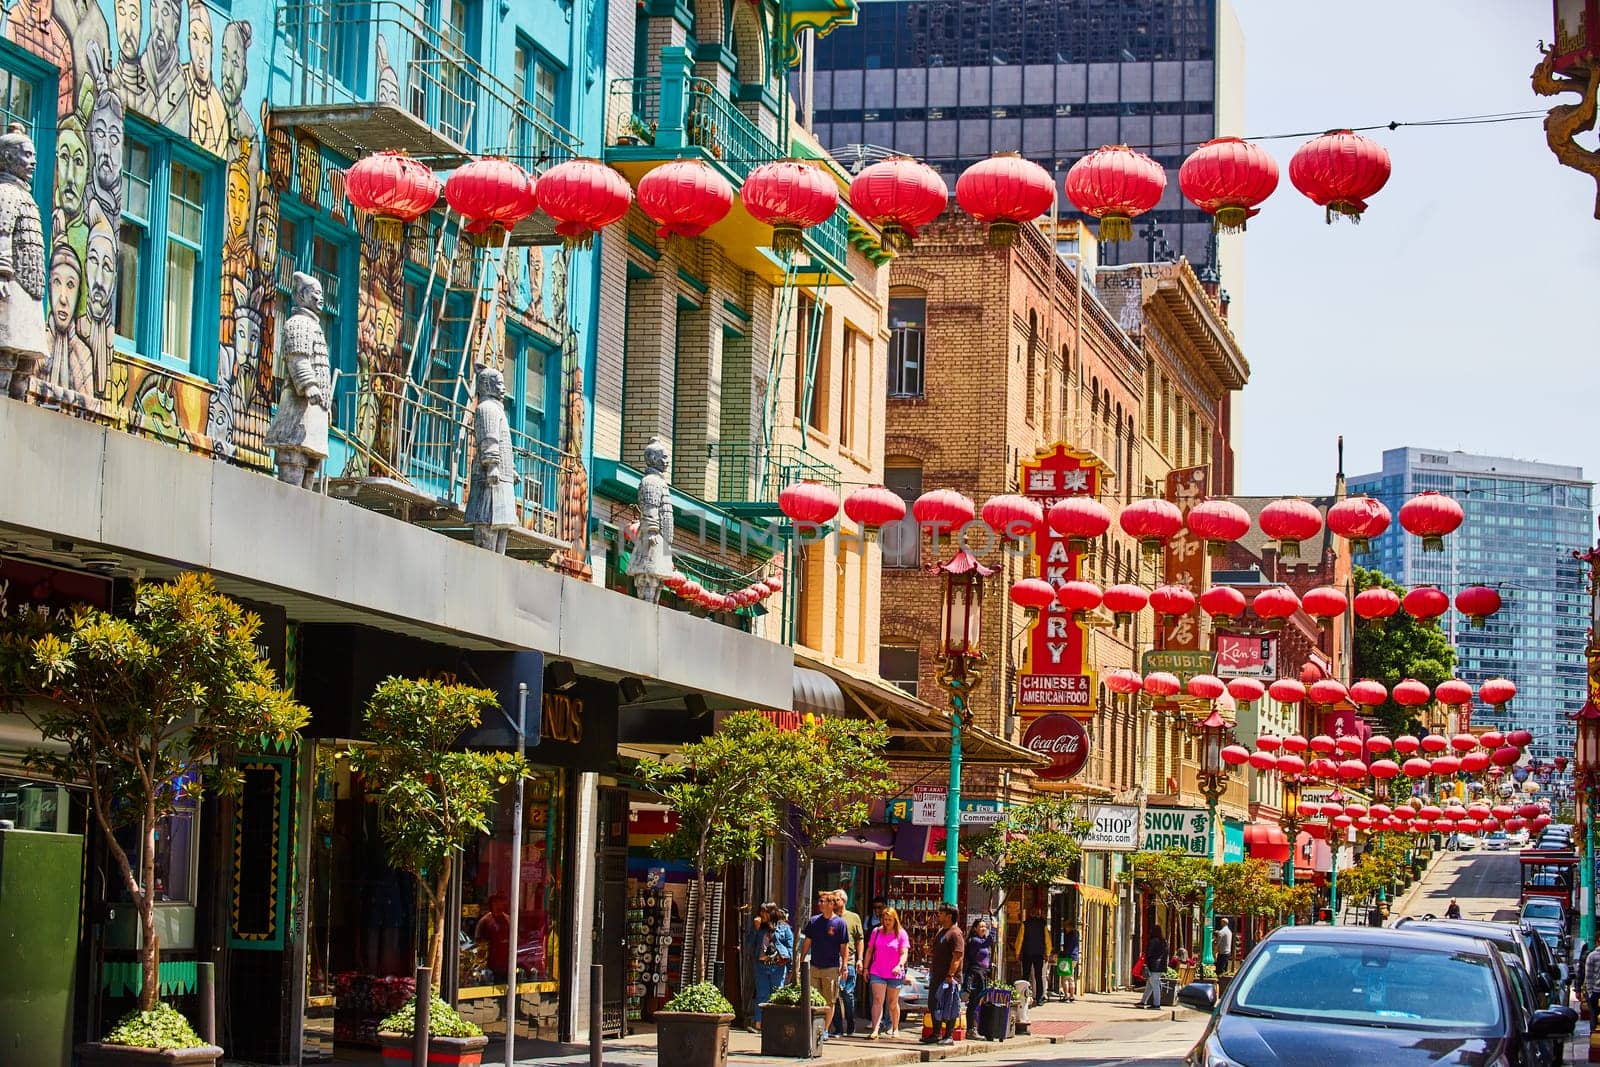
(1055, 675)
(1185, 562)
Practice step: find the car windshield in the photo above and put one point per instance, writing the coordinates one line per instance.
(1542, 909)
(1370, 985)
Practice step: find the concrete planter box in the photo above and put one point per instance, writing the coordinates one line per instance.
(783, 1029)
(692, 1039)
(442, 1051)
(100, 1054)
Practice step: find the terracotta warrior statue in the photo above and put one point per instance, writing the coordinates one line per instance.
(298, 435)
(491, 489)
(651, 562)
(23, 341)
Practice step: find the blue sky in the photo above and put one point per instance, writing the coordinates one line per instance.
(1464, 311)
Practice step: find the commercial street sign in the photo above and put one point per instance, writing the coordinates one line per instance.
(1185, 829)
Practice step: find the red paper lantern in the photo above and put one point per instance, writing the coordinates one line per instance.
(1116, 185)
(1358, 519)
(686, 196)
(1405, 744)
(1343, 822)
(1368, 693)
(1005, 191)
(1288, 522)
(1172, 600)
(583, 196)
(1349, 744)
(1425, 603)
(1219, 523)
(1474, 762)
(1152, 522)
(1453, 692)
(1295, 743)
(1226, 178)
(1463, 742)
(1125, 601)
(809, 502)
(1411, 693)
(1434, 743)
(899, 196)
(1290, 764)
(1491, 739)
(790, 196)
(1079, 597)
(1328, 691)
(392, 185)
(1322, 744)
(1431, 516)
(1384, 768)
(1263, 761)
(1447, 765)
(492, 193)
(1339, 172)
(1287, 691)
(1497, 691)
(1275, 603)
(1515, 823)
(1080, 519)
(1206, 686)
(1236, 755)
(1519, 738)
(942, 509)
(1377, 603)
(1430, 812)
(1162, 684)
(1477, 603)
(1538, 822)
(1324, 602)
(1012, 516)
(1377, 743)
(1124, 681)
(1529, 811)
(1245, 690)
(874, 506)
(1222, 602)
(1034, 594)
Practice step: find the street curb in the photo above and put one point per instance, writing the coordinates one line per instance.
(892, 1057)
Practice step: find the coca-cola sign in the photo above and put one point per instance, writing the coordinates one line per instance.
(1063, 740)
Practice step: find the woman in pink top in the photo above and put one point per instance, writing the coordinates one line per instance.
(885, 963)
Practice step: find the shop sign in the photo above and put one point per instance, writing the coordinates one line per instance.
(926, 807)
(574, 727)
(1185, 829)
(1185, 559)
(1061, 739)
(49, 592)
(1183, 664)
(1116, 829)
(1232, 841)
(1247, 656)
(1055, 676)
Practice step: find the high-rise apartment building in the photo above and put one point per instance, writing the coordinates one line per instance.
(951, 81)
(1523, 521)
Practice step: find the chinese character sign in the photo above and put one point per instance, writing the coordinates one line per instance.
(1054, 675)
(1247, 656)
(1185, 558)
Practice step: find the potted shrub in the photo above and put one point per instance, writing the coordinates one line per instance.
(783, 1022)
(452, 1041)
(692, 1029)
(148, 708)
(1169, 987)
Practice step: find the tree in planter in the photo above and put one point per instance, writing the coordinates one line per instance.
(720, 789)
(1033, 844)
(1171, 877)
(1399, 647)
(825, 776)
(432, 799)
(1245, 888)
(144, 707)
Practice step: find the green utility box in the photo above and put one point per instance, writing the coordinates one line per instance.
(41, 883)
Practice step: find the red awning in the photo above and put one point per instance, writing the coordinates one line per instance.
(1266, 841)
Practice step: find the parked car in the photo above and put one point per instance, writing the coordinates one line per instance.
(1496, 842)
(1517, 839)
(1368, 995)
(1548, 908)
(1523, 943)
(913, 998)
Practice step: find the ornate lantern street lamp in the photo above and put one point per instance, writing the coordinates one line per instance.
(1213, 733)
(961, 642)
(1586, 752)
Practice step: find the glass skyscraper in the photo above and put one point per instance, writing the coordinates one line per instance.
(1523, 521)
(951, 81)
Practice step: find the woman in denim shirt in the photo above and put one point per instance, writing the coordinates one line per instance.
(774, 954)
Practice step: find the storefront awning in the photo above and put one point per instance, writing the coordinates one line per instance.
(918, 731)
(1266, 841)
(816, 693)
(1095, 895)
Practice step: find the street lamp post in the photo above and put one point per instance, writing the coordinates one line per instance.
(961, 640)
(1213, 733)
(1291, 828)
(1586, 754)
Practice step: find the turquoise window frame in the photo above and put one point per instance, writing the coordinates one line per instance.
(307, 227)
(526, 348)
(148, 342)
(42, 78)
(528, 60)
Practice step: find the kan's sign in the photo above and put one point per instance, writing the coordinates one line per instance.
(1185, 829)
(1055, 676)
(1247, 656)
(1116, 829)
(1062, 740)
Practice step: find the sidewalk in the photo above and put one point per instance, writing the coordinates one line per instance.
(1095, 1016)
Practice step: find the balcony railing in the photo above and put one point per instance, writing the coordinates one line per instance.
(367, 75)
(743, 479)
(399, 431)
(1235, 795)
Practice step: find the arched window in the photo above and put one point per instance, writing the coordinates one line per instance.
(745, 42)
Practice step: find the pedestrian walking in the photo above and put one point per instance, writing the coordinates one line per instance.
(826, 941)
(774, 955)
(1224, 947)
(1591, 986)
(844, 1020)
(888, 951)
(1155, 968)
(1453, 911)
(975, 975)
(1033, 945)
(1071, 946)
(944, 977)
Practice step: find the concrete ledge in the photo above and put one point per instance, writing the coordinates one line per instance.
(71, 480)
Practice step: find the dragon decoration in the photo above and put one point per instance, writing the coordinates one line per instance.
(1565, 121)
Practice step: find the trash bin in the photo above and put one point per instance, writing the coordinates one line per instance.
(994, 1015)
(1019, 1006)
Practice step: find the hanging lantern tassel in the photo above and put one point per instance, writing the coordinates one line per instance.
(786, 240)
(1115, 228)
(1002, 233)
(1232, 219)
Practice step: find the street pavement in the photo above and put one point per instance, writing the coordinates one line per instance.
(1485, 884)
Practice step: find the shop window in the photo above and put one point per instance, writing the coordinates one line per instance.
(902, 541)
(907, 323)
(43, 807)
(900, 666)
